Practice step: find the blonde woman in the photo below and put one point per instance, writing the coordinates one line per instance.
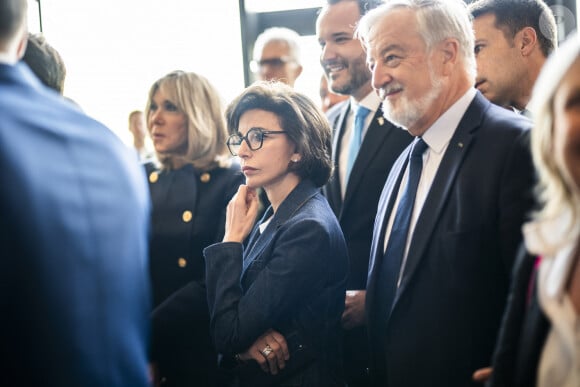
(190, 186)
(554, 233)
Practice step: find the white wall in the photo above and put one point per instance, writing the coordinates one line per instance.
(115, 49)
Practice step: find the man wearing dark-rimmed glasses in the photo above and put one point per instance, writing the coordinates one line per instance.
(277, 56)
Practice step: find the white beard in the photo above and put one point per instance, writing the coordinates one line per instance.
(408, 112)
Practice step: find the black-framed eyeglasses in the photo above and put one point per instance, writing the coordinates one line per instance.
(254, 138)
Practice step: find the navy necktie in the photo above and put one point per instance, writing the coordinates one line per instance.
(356, 138)
(391, 264)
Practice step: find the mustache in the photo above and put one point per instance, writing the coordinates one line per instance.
(383, 92)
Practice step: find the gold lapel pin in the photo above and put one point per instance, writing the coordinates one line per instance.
(381, 121)
(205, 177)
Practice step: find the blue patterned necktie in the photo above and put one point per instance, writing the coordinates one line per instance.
(356, 138)
(391, 264)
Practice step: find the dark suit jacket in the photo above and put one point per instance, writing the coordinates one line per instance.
(381, 146)
(74, 210)
(524, 329)
(178, 239)
(445, 316)
(292, 277)
(181, 342)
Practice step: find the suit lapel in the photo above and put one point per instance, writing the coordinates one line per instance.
(296, 199)
(258, 241)
(333, 194)
(457, 150)
(377, 133)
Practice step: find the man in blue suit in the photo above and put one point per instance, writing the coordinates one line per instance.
(74, 209)
(448, 222)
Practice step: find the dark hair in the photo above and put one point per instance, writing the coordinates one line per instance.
(363, 5)
(511, 16)
(45, 62)
(12, 14)
(305, 124)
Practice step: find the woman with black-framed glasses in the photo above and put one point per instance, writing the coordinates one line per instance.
(276, 302)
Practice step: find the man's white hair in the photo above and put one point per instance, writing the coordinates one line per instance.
(437, 20)
(279, 34)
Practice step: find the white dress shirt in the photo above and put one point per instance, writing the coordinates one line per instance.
(437, 137)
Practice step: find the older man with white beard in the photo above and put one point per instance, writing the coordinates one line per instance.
(448, 222)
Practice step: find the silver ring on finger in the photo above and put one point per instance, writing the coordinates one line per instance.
(266, 351)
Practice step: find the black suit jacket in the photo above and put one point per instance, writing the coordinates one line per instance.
(180, 338)
(523, 330)
(381, 146)
(444, 319)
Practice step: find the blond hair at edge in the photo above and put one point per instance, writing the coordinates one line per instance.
(555, 189)
(201, 103)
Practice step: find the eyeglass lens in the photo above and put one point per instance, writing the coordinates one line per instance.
(253, 138)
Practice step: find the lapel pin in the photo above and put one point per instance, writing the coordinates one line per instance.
(381, 121)
(460, 144)
(205, 177)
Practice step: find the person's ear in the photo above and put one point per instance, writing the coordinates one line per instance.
(526, 40)
(21, 48)
(449, 50)
(298, 71)
(296, 157)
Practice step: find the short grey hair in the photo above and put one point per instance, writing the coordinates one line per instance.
(279, 34)
(437, 21)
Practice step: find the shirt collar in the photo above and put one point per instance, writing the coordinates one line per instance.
(440, 133)
(7, 59)
(371, 102)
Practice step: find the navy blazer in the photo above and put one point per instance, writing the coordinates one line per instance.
(74, 211)
(446, 313)
(291, 277)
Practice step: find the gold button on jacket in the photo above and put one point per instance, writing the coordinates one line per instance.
(187, 216)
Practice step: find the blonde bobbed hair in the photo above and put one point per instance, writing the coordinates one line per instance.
(201, 103)
(557, 193)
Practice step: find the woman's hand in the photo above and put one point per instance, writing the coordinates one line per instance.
(241, 214)
(270, 351)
